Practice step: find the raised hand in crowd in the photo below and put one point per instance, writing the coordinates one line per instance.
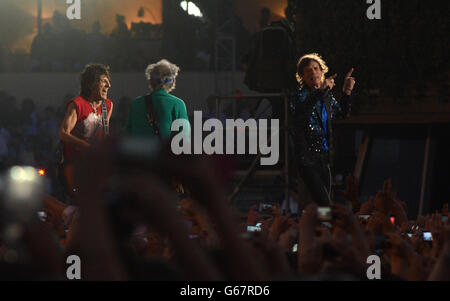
(399, 210)
(351, 192)
(345, 219)
(367, 207)
(384, 200)
(405, 262)
(272, 256)
(288, 238)
(441, 270)
(253, 216)
(310, 259)
(280, 224)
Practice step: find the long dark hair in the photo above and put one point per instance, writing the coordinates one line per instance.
(90, 75)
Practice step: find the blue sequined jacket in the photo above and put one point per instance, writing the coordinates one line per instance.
(312, 138)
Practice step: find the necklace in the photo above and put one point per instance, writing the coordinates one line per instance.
(95, 110)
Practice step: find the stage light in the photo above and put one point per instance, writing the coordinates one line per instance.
(191, 9)
(392, 220)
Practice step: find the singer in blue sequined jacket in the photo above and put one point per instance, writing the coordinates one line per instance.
(313, 107)
(312, 112)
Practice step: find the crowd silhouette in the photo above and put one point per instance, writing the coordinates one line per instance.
(127, 223)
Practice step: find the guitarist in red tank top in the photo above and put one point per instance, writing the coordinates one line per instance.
(84, 124)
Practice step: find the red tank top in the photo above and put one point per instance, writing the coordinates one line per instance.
(89, 126)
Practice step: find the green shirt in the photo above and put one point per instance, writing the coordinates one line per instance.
(167, 108)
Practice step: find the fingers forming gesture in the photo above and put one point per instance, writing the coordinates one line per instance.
(328, 83)
(349, 82)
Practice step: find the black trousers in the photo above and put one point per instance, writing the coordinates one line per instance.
(317, 178)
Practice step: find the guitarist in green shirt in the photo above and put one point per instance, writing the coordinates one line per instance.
(153, 115)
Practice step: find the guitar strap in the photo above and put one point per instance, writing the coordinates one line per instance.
(105, 118)
(151, 115)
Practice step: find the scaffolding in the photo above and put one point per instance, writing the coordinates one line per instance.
(225, 48)
(247, 174)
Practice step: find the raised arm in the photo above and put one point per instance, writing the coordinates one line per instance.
(342, 108)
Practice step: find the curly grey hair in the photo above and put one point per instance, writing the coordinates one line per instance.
(162, 75)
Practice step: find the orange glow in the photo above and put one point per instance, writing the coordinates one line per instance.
(104, 11)
(41, 172)
(250, 11)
